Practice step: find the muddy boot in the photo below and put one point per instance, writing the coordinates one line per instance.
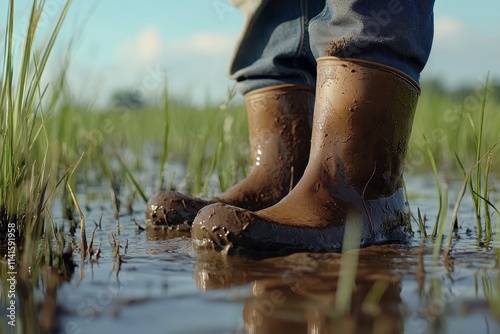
(279, 121)
(362, 122)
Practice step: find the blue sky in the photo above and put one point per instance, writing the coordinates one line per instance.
(140, 45)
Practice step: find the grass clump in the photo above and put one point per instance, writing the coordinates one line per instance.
(26, 187)
(24, 181)
(451, 122)
(477, 178)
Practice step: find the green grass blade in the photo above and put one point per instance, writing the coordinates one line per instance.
(166, 132)
(487, 201)
(480, 136)
(438, 185)
(220, 174)
(134, 181)
(421, 224)
(348, 264)
(442, 223)
(83, 231)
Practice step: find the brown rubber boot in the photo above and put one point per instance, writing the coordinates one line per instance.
(279, 121)
(362, 122)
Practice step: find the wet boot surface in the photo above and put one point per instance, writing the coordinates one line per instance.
(362, 122)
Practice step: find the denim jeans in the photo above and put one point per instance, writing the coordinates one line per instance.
(282, 39)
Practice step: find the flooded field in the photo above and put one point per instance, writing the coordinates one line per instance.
(162, 285)
(58, 136)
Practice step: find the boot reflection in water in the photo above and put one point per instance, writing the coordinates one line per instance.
(369, 56)
(298, 293)
(308, 306)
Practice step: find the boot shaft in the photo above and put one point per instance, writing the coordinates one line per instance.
(279, 124)
(362, 123)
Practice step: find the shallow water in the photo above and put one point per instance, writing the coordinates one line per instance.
(164, 286)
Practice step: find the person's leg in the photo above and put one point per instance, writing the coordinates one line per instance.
(397, 33)
(274, 68)
(362, 122)
(274, 47)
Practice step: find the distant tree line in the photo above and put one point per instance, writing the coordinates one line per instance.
(133, 100)
(127, 99)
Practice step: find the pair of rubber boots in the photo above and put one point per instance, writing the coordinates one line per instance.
(309, 183)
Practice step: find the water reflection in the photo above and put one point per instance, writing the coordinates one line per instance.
(297, 293)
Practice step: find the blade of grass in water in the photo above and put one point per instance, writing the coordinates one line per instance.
(442, 223)
(218, 159)
(454, 216)
(421, 224)
(480, 136)
(487, 201)
(83, 237)
(438, 185)
(134, 181)
(476, 185)
(468, 182)
(83, 240)
(348, 264)
(486, 196)
(165, 140)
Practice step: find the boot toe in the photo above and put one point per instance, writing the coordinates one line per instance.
(172, 210)
(233, 230)
(218, 225)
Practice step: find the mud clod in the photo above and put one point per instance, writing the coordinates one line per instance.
(343, 48)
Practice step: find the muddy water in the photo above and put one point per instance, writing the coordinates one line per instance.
(164, 286)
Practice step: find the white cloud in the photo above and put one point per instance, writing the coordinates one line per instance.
(147, 47)
(447, 26)
(195, 66)
(205, 43)
(460, 55)
(150, 44)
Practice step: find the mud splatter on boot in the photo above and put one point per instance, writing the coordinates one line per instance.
(362, 122)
